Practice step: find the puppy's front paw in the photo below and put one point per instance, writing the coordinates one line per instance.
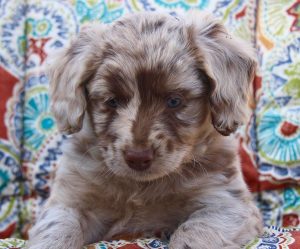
(189, 237)
(43, 237)
(57, 241)
(183, 238)
(57, 228)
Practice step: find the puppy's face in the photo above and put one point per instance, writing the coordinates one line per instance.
(148, 87)
(142, 104)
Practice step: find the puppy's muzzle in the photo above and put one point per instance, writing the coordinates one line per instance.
(138, 159)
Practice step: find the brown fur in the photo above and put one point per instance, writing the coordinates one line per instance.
(113, 87)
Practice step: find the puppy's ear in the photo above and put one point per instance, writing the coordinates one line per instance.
(230, 64)
(69, 73)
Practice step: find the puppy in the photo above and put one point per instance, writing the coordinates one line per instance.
(151, 100)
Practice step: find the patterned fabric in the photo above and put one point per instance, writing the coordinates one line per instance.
(278, 109)
(281, 207)
(30, 144)
(273, 238)
(12, 244)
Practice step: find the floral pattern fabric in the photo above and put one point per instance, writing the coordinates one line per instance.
(30, 144)
(273, 238)
(278, 109)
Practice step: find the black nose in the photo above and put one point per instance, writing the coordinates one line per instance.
(138, 159)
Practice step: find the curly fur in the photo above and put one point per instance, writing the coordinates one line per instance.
(194, 187)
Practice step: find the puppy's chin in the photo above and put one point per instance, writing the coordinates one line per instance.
(143, 176)
(153, 173)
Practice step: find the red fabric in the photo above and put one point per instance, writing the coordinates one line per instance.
(8, 231)
(7, 83)
(296, 236)
(251, 175)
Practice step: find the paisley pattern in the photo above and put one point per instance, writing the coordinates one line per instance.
(48, 25)
(10, 172)
(273, 238)
(30, 144)
(278, 109)
(38, 121)
(99, 10)
(281, 207)
(136, 244)
(12, 26)
(183, 4)
(280, 136)
(12, 243)
(41, 140)
(9, 215)
(294, 11)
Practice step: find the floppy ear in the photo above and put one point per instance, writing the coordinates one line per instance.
(69, 73)
(230, 65)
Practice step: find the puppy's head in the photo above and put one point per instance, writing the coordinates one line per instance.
(152, 87)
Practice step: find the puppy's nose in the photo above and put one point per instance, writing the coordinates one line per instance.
(138, 159)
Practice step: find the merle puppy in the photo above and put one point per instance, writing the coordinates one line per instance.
(150, 100)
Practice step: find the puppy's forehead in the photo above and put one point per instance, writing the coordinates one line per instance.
(145, 40)
(153, 49)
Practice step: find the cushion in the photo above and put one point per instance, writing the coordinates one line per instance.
(273, 238)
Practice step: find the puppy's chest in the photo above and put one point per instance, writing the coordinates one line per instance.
(140, 215)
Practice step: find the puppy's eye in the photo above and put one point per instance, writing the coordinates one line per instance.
(113, 103)
(174, 102)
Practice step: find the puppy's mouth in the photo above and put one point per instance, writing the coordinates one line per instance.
(144, 164)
